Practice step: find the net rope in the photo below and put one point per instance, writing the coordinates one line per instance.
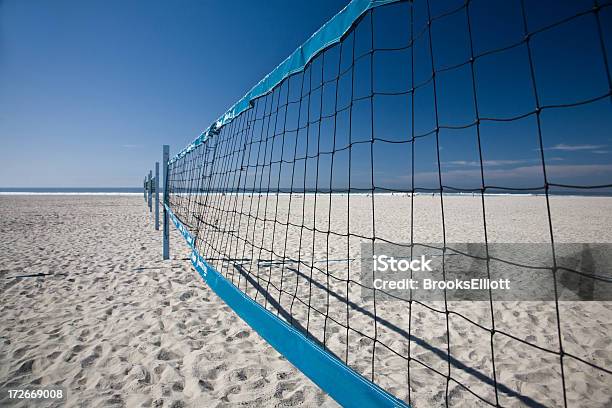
(271, 198)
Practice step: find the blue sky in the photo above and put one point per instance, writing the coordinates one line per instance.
(568, 66)
(91, 90)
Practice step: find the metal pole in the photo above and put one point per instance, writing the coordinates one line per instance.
(156, 188)
(144, 188)
(166, 244)
(150, 193)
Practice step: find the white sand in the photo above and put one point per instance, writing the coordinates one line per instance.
(117, 326)
(527, 373)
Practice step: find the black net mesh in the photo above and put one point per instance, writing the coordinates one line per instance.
(406, 132)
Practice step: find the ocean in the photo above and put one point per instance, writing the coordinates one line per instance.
(71, 190)
(138, 191)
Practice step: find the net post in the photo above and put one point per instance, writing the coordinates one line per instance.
(149, 192)
(156, 188)
(165, 199)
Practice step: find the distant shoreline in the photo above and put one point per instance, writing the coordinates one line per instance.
(67, 193)
(129, 191)
(70, 190)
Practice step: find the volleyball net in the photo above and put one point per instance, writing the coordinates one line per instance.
(406, 130)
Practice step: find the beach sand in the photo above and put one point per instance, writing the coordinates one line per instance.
(284, 255)
(114, 324)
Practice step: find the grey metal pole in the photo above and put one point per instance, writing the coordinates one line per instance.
(150, 193)
(166, 245)
(156, 188)
(144, 188)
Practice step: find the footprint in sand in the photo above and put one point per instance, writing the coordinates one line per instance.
(205, 385)
(297, 398)
(242, 334)
(282, 387)
(25, 368)
(238, 375)
(235, 389)
(19, 352)
(141, 374)
(83, 335)
(166, 355)
(260, 383)
(115, 400)
(89, 360)
(186, 295)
